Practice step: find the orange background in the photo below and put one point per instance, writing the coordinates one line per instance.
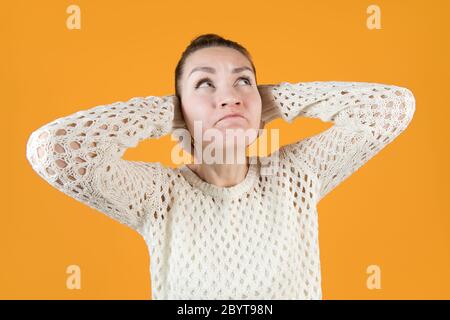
(393, 212)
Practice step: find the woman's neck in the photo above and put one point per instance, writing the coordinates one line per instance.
(222, 175)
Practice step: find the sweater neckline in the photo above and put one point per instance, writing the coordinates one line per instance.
(224, 192)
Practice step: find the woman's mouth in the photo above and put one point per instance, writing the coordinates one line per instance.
(232, 117)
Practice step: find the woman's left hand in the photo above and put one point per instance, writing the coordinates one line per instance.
(269, 109)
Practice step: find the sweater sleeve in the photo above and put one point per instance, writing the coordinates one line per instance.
(80, 155)
(366, 116)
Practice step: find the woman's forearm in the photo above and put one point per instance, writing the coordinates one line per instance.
(80, 155)
(356, 105)
(366, 117)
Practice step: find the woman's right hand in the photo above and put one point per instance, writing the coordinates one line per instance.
(178, 118)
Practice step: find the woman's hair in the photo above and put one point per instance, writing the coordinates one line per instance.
(206, 41)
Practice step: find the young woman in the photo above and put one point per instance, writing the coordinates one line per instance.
(222, 230)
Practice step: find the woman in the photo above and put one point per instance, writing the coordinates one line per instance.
(222, 230)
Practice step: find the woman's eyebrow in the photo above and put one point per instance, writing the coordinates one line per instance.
(212, 70)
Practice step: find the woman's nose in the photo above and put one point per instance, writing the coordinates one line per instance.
(230, 101)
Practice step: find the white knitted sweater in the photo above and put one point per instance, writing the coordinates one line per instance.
(255, 240)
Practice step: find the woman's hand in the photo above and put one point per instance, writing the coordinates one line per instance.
(269, 109)
(178, 118)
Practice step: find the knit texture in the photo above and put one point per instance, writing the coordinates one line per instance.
(255, 240)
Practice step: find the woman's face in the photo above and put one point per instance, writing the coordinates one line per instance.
(216, 82)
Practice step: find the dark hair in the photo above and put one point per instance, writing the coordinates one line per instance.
(206, 41)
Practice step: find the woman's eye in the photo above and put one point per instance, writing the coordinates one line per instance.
(201, 81)
(247, 79)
